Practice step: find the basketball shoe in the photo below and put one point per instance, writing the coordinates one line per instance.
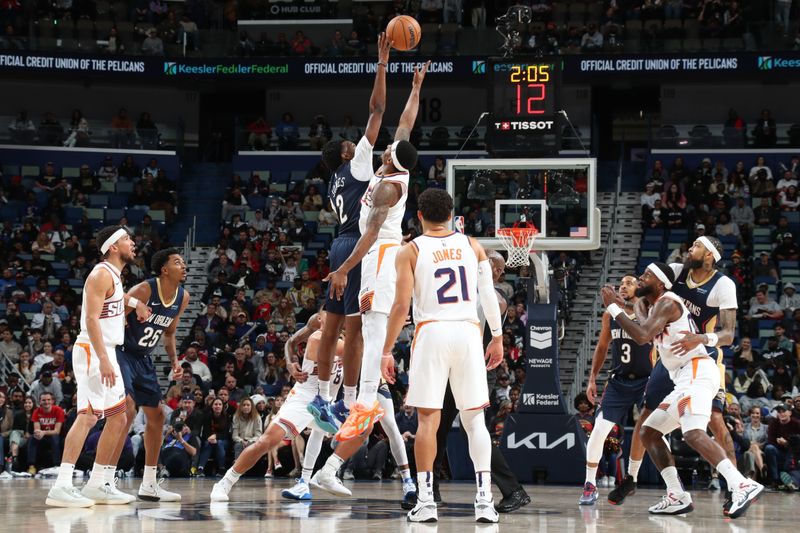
(589, 496)
(625, 489)
(673, 504)
(743, 496)
(360, 420)
(424, 512)
(300, 491)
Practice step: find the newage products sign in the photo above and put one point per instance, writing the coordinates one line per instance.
(541, 392)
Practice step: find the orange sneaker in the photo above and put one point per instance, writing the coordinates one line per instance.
(360, 420)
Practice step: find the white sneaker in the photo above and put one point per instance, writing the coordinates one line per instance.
(69, 496)
(300, 491)
(743, 496)
(714, 484)
(423, 512)
(131, 498)
(327, 481)
(485, 512)
(672, 504)
(154, 492)
(219, 492)
(107, 495)
(6, 475)
(348, 475)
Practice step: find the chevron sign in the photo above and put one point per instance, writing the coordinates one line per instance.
(541, 339)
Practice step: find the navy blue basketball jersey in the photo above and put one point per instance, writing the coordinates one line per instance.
(629, 359)
(142, 337)
(348, 185)
(705, 299)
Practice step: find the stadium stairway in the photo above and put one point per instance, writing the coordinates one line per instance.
(201, 193)
(625, 251)
(195, 284)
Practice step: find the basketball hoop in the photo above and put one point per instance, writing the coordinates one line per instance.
(518, 240)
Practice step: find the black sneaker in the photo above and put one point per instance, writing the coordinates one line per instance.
(625, 489)
(726, 507)
(512, 502)
(437, 496)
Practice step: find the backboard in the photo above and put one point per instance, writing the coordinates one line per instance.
(557, 195)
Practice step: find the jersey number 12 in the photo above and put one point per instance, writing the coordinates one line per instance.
(342, 216)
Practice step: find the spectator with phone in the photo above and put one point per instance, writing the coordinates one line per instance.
(180, 446)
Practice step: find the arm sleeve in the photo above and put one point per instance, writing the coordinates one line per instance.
(723, 295)
(488, 297)
(361, 164)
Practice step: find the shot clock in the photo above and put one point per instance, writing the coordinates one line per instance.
(523, 98)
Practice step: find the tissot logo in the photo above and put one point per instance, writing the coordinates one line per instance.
(479, 67)
(170, 68)
(515, 125)
(541, 441)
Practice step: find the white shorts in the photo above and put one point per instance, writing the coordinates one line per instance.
(93, 395)
(688, 406)
(379, 277)
(443, 351)
(293, 416)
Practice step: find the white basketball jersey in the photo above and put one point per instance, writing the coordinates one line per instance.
(112, 316)
(392, 226)
(445, 279)
(311, 385)
(672, 333)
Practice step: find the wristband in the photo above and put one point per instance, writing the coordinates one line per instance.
(384, 65)
(614, 310)
(388, 355)
(133, 302)
(713, 339)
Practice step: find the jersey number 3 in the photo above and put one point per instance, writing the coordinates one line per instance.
(150, 338)
(626, 353)
(451, 280)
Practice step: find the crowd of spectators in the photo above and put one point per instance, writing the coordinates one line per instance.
(120, 132)
(45, 257)
(752, 208)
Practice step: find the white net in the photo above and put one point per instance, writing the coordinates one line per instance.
(518, 241)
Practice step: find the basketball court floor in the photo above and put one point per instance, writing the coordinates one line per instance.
(256, 505)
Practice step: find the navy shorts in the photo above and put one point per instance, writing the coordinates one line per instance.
(719, 401)
(340, 250)
(620, 395)
(658, 386)
(140, 378)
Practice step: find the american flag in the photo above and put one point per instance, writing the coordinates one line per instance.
(578, 231)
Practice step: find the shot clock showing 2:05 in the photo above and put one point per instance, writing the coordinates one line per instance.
(523, 95)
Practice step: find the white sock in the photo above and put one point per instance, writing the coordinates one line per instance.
(110, 474)
(633, 469)
(730, 473)
(405, 473)
(231, 477)
(368, 393)
(425, 486)
(65, 472)
(483, 480)
(149, 475)
(97, 477)
(349, 394)
(334, 463)
(373, 328)
(307, 473)
(591, 475)
(674, 486)
(325, 390)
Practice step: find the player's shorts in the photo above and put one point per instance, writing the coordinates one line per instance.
(658, 386)
(443, 351)
(93, 395)
(379, 276)
(340, 250)
(140, 378)
(719, 401)
(620, 395)
(688, 406)
(293, 416)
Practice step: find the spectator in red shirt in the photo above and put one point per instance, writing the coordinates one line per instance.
(259, 134)
(320, 270)
(301, 45)
(47, 420)
(779, 431)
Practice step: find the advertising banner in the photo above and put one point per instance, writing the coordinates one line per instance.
(541, 392)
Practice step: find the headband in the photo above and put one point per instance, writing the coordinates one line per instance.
(117, 235)
(395, 161)
(660, 275)
(710, 247)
